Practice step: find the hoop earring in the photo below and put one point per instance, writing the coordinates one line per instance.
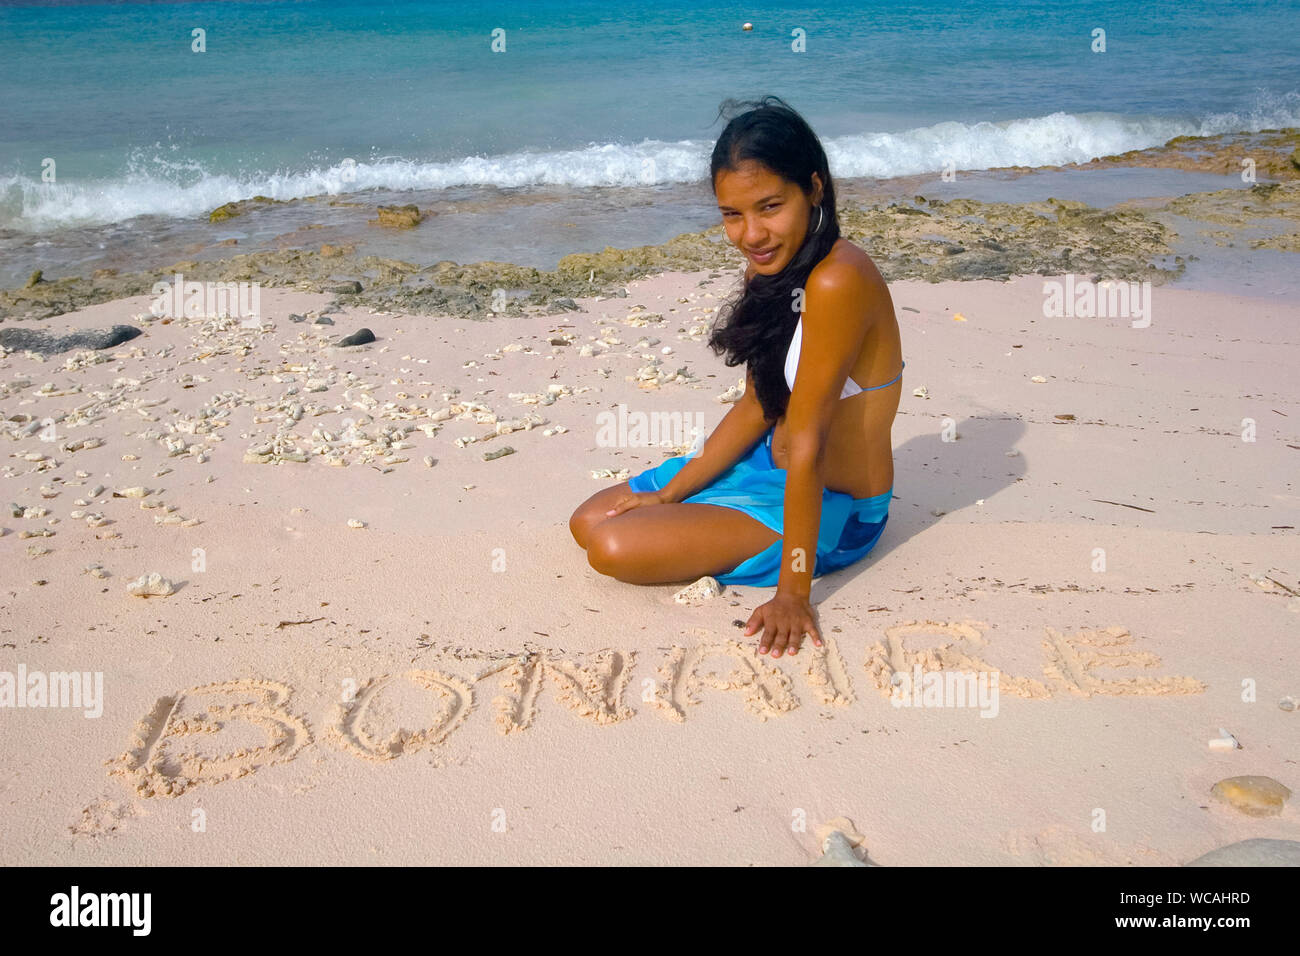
(820, 217)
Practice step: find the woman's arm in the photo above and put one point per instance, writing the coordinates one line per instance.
(835, 323)
(838, 313)
(743, 425)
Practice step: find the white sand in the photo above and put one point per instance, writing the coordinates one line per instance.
(512, 705)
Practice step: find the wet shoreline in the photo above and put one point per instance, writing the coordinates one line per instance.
(919, 227)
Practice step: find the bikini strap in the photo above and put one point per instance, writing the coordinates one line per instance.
(889, 383)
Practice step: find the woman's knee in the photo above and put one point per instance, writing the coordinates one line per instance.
(592, 512)
(580, 525)
(586, 519)
(607, 548)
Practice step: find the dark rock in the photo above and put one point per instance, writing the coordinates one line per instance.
(33, 279)
(567, 304)
(295, 317)
(1258, 851)
(46, 343)
(359, 337)
(324, 320)
(345, 288)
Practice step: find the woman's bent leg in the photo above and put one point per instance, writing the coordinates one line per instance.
(663, 544)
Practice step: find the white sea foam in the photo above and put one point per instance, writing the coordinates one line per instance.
(153, 185)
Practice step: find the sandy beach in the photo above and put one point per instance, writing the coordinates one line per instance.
(381, 647)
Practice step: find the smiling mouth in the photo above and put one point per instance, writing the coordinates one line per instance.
(765, 252)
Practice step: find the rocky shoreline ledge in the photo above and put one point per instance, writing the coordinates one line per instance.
(915, 238)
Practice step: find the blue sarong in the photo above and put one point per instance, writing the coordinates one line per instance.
(850, 527)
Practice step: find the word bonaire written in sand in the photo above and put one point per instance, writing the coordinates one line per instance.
(229, 729)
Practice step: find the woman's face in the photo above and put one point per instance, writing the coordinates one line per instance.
(764, 213)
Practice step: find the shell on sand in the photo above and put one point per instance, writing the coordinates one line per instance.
(152, 584)
(706, 588)
(836, 851)
(842, 824)
(1225, 741)
(1253, 795)
(837, 838)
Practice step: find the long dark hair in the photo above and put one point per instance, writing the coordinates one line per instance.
(755, 328)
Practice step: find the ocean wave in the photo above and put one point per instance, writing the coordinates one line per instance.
(154, 185)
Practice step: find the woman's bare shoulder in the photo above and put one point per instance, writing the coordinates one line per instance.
(847, 268)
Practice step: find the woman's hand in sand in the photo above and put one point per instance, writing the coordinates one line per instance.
(784, 621)
(635, 499)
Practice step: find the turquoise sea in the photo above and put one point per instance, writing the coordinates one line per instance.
(294, 99)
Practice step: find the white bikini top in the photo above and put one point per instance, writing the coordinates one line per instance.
(851, 387)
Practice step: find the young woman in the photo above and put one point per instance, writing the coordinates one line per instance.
(796, 480)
